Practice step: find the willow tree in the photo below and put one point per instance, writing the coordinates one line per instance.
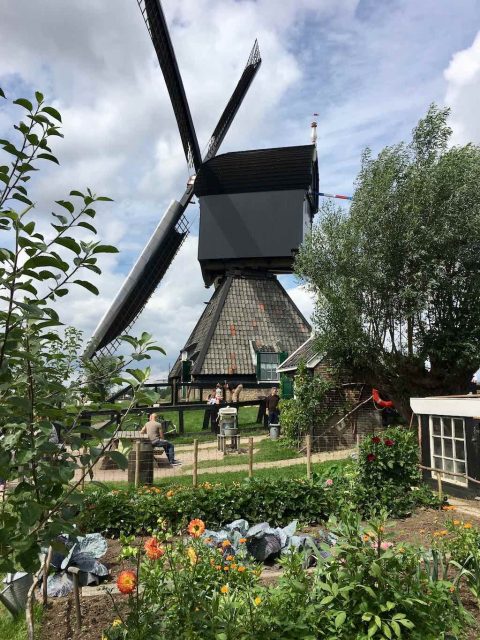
(397, 278)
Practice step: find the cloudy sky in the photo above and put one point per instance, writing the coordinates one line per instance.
(369, 68)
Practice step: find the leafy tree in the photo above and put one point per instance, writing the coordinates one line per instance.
(99, 374)
(39, 265)
(309, 407)
(397, 279)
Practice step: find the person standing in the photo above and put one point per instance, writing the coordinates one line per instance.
(155, 433)
(272, 406)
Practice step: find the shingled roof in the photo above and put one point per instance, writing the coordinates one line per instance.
(277, 169)
(307, 353)
(246, 314)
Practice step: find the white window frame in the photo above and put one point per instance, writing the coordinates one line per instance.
(463, 482)
(274, 366)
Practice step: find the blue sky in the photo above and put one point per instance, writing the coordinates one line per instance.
(368, 68)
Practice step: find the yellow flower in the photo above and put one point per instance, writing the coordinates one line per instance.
(452, 589)
(400, 550)
(241, 569)
(218, 567)
(229, 558)
(242, 540)
(191, 553)
(196, 527)
(224, 589)
(366, 537)
(257, 601)
(233, 566)
(439, 534)
(117, 623)
(226, 543)
(226, 568)
(467, 525)
(456, 522)
(448, 507)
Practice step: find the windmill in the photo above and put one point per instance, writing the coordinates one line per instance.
(255, 208)
(173, 228)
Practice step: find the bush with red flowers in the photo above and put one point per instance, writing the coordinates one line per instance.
(388, 470)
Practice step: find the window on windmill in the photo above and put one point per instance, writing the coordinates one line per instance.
(267, 364)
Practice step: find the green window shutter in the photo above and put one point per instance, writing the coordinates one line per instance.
(258, 367)
(282, 356)
(286, 385)
(186, 371)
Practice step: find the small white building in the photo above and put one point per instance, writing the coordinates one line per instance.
(450, 440)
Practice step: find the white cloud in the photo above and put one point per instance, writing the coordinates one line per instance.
(369, 69)
(463, 93)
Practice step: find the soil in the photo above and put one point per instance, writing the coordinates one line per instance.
(59, 622)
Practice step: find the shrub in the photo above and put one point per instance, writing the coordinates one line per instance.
(387, 472)
(274, 501)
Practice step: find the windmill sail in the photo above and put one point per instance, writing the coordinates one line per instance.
(157, 27)
(172, 230)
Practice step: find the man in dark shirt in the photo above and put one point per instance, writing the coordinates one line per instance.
(272, 406)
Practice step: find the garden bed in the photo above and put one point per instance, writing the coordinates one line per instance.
(59, 621)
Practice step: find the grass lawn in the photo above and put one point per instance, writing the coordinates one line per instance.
(16, 628)
(267, 451)
(294, 471)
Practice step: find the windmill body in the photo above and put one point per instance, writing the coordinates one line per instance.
(255, 208)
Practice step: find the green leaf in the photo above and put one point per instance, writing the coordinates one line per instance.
(104, 199)
(340, 619)
(52, 112)
(118, 458)
(85, 225)
(66, 205)
(87, 285)
(45, 261)
(39, 96)
(77, 193)
(19, 196)
(2, 95)
(48, 156)
(23, 102)
(68, 243)
(105, 248)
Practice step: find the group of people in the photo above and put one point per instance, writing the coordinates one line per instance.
(225, 393)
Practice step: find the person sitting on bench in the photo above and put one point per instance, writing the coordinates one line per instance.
(154, 430)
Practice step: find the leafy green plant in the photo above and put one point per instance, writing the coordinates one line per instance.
(40, 375)
(277, 502)
(309, 407)
(388, 474)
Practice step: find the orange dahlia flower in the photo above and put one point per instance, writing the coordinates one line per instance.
(126, 581)
(196, 528)
(153, 550)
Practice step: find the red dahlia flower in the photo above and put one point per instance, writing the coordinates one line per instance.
(153, 550)
(389, 443)
(126, 582)
(371, 457)
(376, 440)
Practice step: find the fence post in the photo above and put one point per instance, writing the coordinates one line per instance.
(137, 463)
(83, 471)
(309, 456)
(73, 571)
(195, 462)
(250, 457)
(440, 491)
(181, 423)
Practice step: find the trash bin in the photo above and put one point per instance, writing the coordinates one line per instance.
(274, 431)
(227, 421)
(146, 463)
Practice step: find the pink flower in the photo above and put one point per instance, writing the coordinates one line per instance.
(329, 482)
(385, 545)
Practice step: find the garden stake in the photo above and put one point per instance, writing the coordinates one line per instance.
(250, 457)
(440, 492)
(195, 462)
(76, 593)
(83, 471)
(137, 463)
(309, 456)
(46, 568)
